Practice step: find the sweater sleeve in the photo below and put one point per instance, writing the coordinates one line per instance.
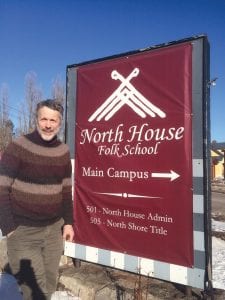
(9, 165)
(67, 195)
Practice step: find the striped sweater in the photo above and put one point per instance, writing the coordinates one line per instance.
(35, 183)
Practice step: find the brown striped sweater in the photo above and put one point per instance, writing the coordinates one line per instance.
(35, 183)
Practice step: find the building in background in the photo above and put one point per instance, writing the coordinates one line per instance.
(217, 159)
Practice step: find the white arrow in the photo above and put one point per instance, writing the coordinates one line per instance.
(172, 175)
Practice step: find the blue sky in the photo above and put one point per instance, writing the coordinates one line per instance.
(46, 36)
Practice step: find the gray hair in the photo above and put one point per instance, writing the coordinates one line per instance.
(52, 104)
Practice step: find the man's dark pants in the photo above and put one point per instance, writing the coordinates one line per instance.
(34, 254)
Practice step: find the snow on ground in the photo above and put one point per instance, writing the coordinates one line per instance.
(218, 263)
(218, 256)
(58, 295)
(218, 226)
(10, 290)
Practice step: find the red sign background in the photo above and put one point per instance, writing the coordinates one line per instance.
(126, 198)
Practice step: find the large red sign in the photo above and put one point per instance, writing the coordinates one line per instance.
(133, 175)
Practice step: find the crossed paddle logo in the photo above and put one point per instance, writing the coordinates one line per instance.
(126, 94)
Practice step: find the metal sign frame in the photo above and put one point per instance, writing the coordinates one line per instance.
(200, 275)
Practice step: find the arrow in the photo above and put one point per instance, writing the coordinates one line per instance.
(172, 175)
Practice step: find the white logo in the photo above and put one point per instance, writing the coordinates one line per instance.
(126, 94)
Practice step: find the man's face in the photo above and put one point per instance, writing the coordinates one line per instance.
(48, 123)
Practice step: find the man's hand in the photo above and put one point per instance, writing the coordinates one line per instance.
(9, 234)
(68, 233)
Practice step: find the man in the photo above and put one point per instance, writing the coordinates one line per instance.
(36, 211)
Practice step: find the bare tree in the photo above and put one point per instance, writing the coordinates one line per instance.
(58, 93)
(58, 90)
(6, 125)
(33, 95)
(23, 126)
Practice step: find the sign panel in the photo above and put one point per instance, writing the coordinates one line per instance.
(133, 153)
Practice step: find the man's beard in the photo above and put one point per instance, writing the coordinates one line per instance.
(45, 133)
